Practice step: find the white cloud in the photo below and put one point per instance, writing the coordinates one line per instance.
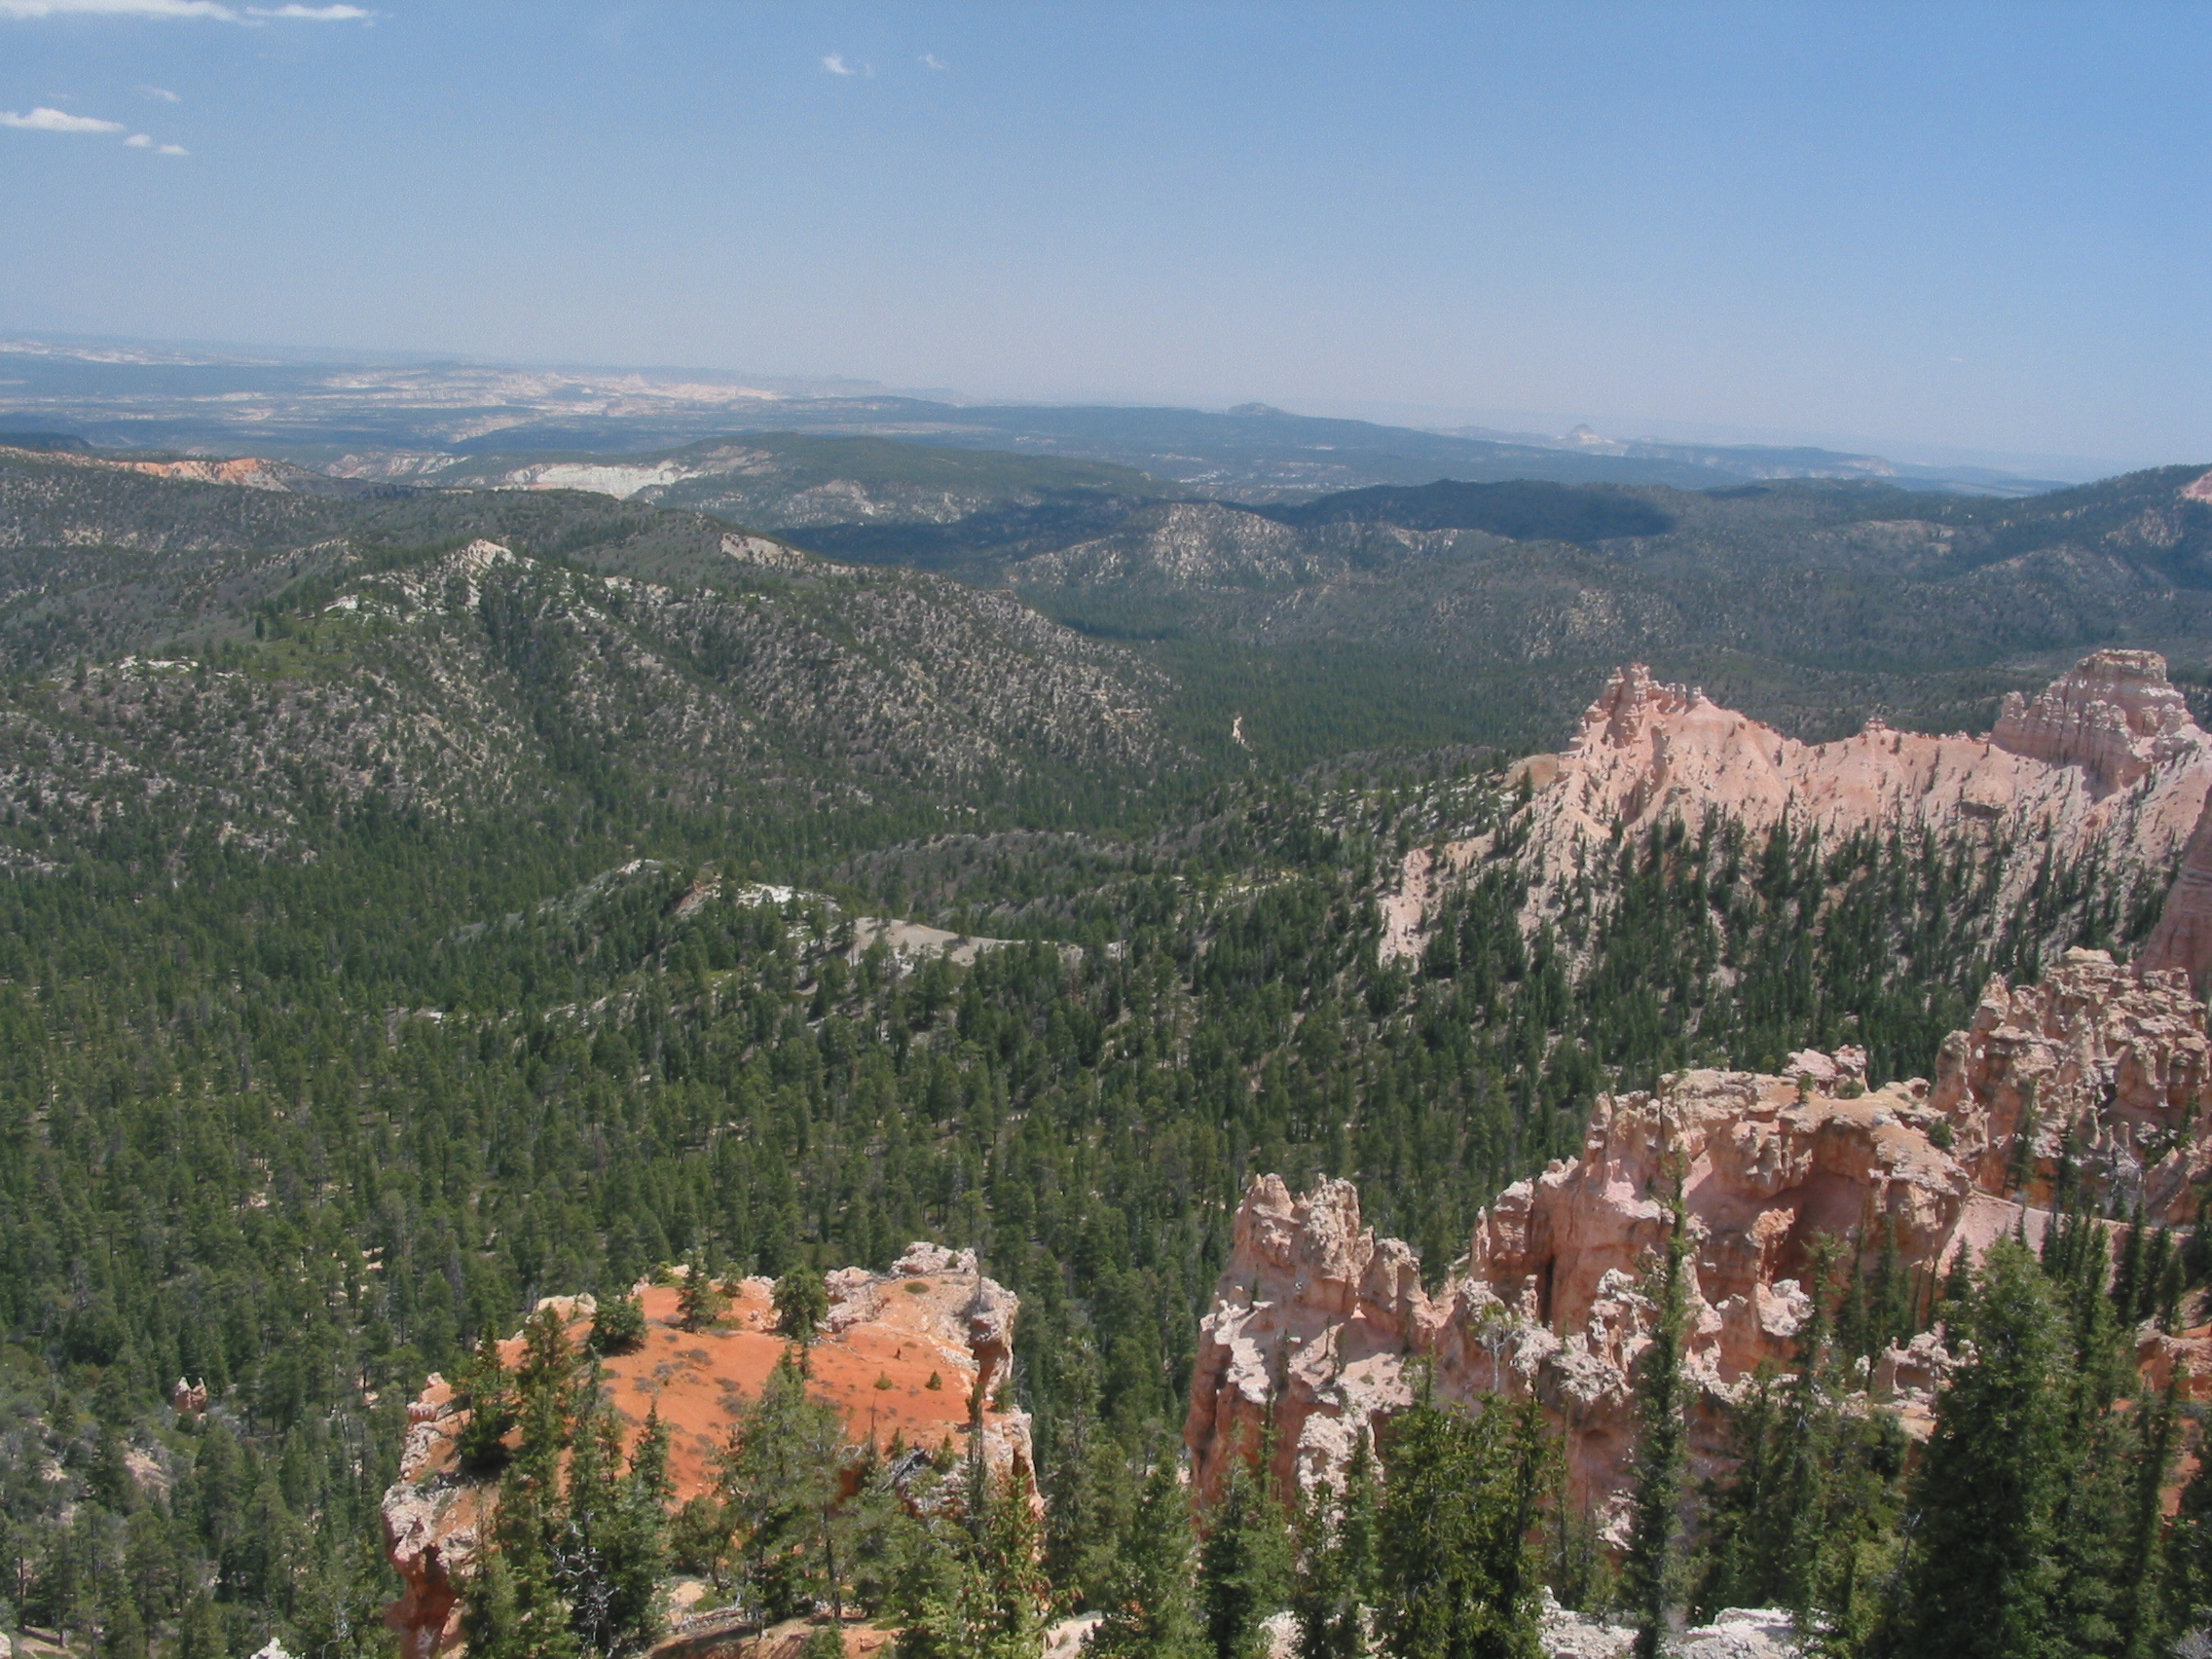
(138, 141)
(930, 61)
(117, 8)
(835, 63)
(43, 119)
(172, 150)
(215, 9)
(162, 93)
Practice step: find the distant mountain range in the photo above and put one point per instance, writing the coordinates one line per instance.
(1444, 611)
(422, 416)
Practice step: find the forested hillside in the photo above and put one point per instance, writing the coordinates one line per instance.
(306, 1130)
(383, 947)
(1809, 605)
(1447, 613)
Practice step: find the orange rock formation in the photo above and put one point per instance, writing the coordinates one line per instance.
(245, 471)
(933, 1320)
(1314, 1319)
(2106, 752)
(2106, 757)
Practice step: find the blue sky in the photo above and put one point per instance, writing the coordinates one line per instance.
(1983, 228)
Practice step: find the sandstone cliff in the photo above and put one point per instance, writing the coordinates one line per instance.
(2106, 758)
(1314, 1319)
(900, 1354)
(2183, 938)
(2106, 752)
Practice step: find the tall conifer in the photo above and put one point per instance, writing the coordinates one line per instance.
(1150, 1607)
(1456, 1571)
(1243, 1566)
(1982, 1571)
(1649, 1571)
(1336, 1581)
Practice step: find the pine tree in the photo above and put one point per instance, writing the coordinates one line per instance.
(648, 1460)
(1150, 1610)
(781, 1488)
(972, 1579)
(2186, 1591)
(1011, 1546)
(1981, 1574)
(2135, 1280)
(489, 1392)
(545, 1398)
(1244, 1566)
(513, 1608)
(701, 1302)
(619, 1326)
(2142, 1588)
(1337, 1578)
(1456, 1572)
(1812, 1491)
(1089, 1491)
(610, 1549)
(801, 1302)
(1748, 1531)
(1648, 1574)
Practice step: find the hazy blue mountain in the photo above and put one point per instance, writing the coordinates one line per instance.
(424, 412)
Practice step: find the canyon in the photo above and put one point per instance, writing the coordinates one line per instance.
(917, 1355)
(2098, 1075)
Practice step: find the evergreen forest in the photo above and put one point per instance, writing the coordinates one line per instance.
(312, 1084)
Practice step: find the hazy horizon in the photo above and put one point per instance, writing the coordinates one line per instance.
(1974, 231)
(1485, 421)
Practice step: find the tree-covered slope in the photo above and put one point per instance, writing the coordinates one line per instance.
(1810, 605)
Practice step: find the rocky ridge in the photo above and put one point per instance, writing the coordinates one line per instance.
(1186, 546)
(2105, 762)
(1314, 1319)
(908, 1354)
(2106, 756)
(248, 472)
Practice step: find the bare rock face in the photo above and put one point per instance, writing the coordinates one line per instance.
(1314, 1319)
(2114, 714)
(915, 1352)
(2183, 938)
(2105, 1064)
(2064, 764)
(1554, 1301)
(1315, 1315)
(2105, 758)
